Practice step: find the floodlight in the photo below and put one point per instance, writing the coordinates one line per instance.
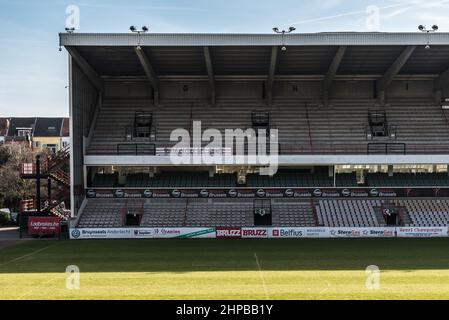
(421, 27)
(435, 27)
(283, 32)
(145, 29)
(133, 28)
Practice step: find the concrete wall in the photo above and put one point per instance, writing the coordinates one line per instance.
(83, 101)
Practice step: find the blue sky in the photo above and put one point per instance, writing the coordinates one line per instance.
(33, 73)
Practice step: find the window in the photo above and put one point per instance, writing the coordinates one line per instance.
(23, 132)
(51, 147)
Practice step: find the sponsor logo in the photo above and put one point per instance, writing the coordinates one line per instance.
(167, 232)
(291, 233)
(229, 233)
(148, 193)
(289, 193)
(232, 193)
(317, 193)
(346, 193)
(254, 233)
(91, 193)
(374, 193)
(119, 193)
(176, 193)
(261, 193)
(143, 233)
(204, 193)
(76, 233)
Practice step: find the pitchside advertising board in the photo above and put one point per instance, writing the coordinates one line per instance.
(44, 225)
(258, 233)
(142, 233)
(268, 193)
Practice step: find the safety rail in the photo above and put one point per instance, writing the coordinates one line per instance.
(386, 148)
(137, 149)
(297, 149)
(61, 176)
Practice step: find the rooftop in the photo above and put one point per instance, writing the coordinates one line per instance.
(249, 56)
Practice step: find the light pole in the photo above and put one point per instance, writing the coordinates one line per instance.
(134, 29)
(428, 32)
(284, 32)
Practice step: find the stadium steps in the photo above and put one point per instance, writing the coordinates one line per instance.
(379, 216)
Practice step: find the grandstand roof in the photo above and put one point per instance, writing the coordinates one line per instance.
(308, 56)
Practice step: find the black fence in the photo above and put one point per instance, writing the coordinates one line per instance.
(387, 149)
(136, 149)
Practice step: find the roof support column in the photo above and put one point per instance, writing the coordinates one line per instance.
(395, 68)
(90, 73)
(333, 68)
(210, 74)
(271, 73)
(149, 71)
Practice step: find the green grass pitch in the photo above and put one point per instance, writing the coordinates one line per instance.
(227, 269)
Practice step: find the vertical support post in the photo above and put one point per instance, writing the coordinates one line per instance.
(49, 189)
(38, 184)
(390, 170)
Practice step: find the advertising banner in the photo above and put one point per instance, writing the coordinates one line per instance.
(362, 232)
(422, 232)
(269, 193)
(44, 225)
(245, 233)
(256, 233)
(228, 233)
(291, 233)
(185, 233)
(102, 233)
(141, 233)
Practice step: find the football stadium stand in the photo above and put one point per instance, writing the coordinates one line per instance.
(427, 213)
(348, 213)
(408, 180)
(343, 128)
(359, 119)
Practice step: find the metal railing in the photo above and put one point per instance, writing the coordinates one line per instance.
(386, 149)
(136, 149)
(162, 149)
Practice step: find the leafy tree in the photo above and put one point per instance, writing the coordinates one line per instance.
(12, 187)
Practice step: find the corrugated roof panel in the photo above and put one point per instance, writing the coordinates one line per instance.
(113, 61)
(241, 60)
(299, 39)
(305, 60)
(427, 61)
(177, 61)
(363, 60)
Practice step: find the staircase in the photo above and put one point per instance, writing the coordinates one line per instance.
(404, 217)
(54, 167)
(380, 216)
